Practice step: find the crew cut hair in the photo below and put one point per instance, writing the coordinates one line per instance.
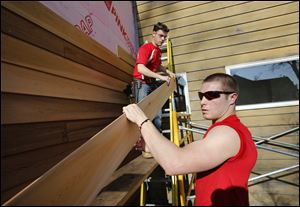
(228, 82)
(160, 26)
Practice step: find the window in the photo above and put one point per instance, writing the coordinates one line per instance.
(267, 84)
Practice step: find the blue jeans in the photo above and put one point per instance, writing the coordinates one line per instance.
(144, 90)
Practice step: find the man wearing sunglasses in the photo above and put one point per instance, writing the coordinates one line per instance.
(148, 70)
(223, 159)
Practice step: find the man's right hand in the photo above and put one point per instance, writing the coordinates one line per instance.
(165, 78)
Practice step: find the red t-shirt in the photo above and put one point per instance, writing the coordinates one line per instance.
(227, 184)
(149, 55)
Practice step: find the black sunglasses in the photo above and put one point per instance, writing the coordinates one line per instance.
(210, 95)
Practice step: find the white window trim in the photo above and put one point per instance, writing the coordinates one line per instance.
(257, 63)
(186, 92)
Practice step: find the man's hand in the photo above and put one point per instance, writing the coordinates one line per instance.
(134, 114)
(166, 78)
(171, 74)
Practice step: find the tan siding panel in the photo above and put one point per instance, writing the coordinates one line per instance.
(271, 53)
(248, 47)
(171, 8)
(150, 5)
(221, 19)
(237, 39)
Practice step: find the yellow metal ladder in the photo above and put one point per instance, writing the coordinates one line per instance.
(179, 193)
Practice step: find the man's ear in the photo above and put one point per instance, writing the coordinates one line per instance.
(234, 97)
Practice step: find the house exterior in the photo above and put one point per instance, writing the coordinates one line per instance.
(59, 87)
(210, 37)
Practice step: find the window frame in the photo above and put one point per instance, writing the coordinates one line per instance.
(229, 68)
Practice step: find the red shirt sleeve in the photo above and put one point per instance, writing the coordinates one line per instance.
(143, 55)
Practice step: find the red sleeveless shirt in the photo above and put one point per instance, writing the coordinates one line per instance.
(227, 184)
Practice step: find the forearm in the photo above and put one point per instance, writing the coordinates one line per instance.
(146, 72)
(164, 151)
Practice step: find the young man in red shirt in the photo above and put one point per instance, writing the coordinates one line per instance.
(223, 159)
(148, 72)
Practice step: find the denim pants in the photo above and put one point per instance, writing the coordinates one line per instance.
(143, 90)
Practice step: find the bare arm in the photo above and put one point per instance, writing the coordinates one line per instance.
(145, 71)
(220, 144)
(167, 72)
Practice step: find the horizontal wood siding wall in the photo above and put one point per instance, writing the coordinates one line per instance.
(59, 87)
(209, 35)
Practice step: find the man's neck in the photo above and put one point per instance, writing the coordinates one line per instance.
(154, 43)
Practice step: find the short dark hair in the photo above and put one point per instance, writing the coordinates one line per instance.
(229, 83)
(160, 26)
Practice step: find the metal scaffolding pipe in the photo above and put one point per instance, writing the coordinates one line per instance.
(283, 144)
(278, 135)
(272, 173)
(278, 151)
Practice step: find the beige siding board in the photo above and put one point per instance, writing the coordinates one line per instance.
(267, 131)
(235, 30)
(221, 19)
(268, 120)
(268, 165)
(236, 39)
(15, 79)
(27, 109)
(152, 5)
(200, 75)
(231, 50)
(194, 87)
(185, 17)
(269, 111)
(272, 53)
(269, 155)
(44, 61)
(42, 16)
(171, 8)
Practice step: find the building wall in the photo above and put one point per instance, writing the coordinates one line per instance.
(207, 36)
(59, 88)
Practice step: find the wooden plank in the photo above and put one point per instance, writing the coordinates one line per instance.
(17, 109)
(27, 31)
(125, 181)
(124, 55)
(28, 166)
(16, 79)
(42, 16)
(78, 178)
(44, 61)
(19, 138)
